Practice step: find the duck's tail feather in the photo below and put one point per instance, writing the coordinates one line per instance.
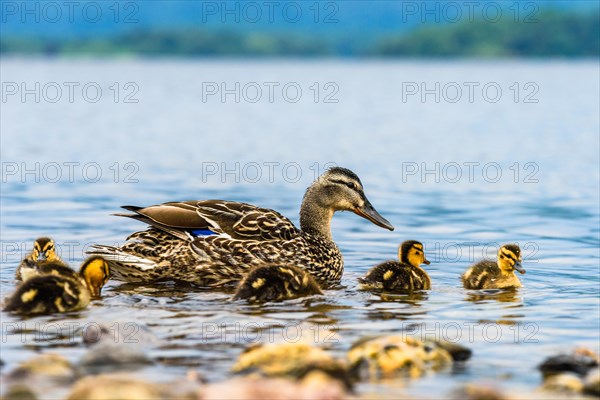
(123, 266)
(178, 233)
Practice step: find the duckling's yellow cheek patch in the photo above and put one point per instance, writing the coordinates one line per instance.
(388, 275)
(28, 295)
(258, 283)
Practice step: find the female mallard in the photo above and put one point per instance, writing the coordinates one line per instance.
(57, 288)
(215, 242)
(400, 276)
(43, 252)
(489, 274)
(274, 282)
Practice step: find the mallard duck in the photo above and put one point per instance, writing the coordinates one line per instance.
(489, 274)
(275, 283)
(406, 274)
(43, 252)
(57, 288)
(216, 242)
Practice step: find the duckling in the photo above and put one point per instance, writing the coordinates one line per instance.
(275, 283)
(488, 274)
(57, 288)
(43, 252)
(406, 274)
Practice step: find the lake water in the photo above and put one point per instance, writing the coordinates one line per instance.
(462, 156)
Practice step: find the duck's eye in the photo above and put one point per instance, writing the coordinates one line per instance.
(350, 185)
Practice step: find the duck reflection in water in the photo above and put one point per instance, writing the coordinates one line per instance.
(501, 295)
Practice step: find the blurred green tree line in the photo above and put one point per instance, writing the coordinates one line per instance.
(553, 33)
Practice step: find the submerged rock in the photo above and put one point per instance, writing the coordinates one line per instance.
(389, 356)
(108, 387)
(38, 375)
(45, 366)
(19, 392)
(580, 362)
(122, 346)
(591, 383)
(108, 357)
(567, 383)
(479, 392)
(125, 387)
(574, 373)
(315, 386)
(291, 360)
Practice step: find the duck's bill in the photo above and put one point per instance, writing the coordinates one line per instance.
(519, 268)
(368, 212)
(426, 261)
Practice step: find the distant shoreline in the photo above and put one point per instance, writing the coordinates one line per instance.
(554, 35)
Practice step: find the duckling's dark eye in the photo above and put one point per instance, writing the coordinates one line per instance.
(350, 185)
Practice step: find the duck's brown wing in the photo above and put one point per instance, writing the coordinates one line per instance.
(237, 220)
(395, 276)
(480, 275)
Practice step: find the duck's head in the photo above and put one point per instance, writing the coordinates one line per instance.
(44, 249)
(509, 259)
(95, 272)
(340, 189)
(411, 252)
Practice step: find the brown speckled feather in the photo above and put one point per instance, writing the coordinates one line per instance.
(396, 276)
(481, 275)
(273, 283)
(216, 242)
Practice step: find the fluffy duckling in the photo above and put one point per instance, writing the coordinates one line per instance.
(489, 274)
(43, 252)
(275, 283)
(406, 274)
(57, 288)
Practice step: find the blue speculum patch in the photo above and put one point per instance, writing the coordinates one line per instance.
(202, 232)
